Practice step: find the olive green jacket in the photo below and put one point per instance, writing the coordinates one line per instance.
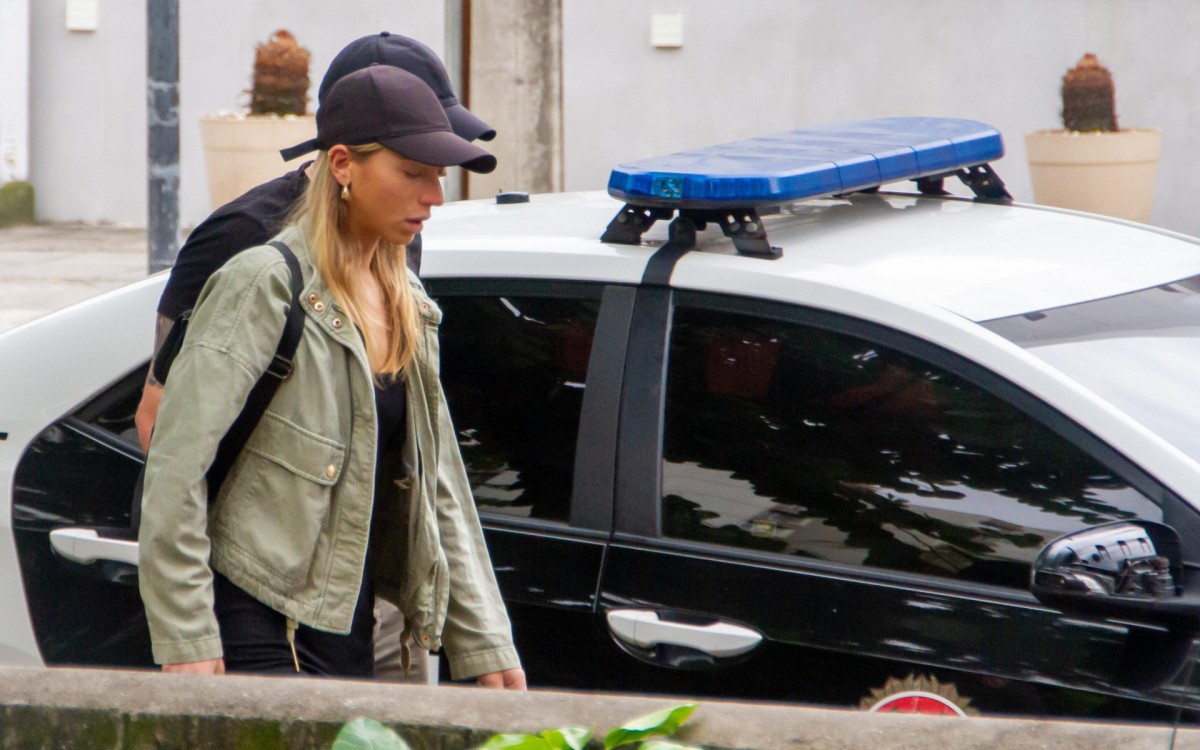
(292, 520)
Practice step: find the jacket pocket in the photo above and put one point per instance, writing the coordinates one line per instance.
(281, 503)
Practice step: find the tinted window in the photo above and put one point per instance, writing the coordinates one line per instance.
(114, 409)
(514, 369)
(802, 441)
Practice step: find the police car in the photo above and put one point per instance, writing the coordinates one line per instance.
(779, 419)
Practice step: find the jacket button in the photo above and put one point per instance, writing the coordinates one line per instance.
(319, 306)
(312, 298)
(337, 322)
(331, 471)
(424, 640)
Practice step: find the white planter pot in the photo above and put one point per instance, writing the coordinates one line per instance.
(1103, 173)
(241, 152)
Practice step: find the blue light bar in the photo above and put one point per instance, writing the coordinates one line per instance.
(827, 160)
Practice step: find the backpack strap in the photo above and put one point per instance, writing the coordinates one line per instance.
(264, 390)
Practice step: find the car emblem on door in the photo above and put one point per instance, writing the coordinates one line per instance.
(918, 694)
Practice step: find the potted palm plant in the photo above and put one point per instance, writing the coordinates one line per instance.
(241, 149)
(1092, 164)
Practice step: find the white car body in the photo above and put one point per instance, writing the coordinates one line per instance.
(933, 276)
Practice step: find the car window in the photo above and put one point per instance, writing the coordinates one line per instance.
(514, 368)
(114, 408)
(803, 441)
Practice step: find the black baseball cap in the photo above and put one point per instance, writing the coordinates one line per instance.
(408, 54)
(394, 108)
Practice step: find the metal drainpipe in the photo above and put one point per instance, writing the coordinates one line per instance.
(162, 98)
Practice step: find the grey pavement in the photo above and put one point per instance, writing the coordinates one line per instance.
(45, 267)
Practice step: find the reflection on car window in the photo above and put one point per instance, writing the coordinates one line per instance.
(513, 369)
(113, 410)
(790, 439)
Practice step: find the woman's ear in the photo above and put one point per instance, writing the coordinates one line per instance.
(339, 164)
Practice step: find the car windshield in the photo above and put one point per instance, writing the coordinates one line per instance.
(1141, 351)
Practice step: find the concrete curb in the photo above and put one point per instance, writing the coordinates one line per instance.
(75, 708)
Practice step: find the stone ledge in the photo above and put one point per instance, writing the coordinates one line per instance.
(76, 708)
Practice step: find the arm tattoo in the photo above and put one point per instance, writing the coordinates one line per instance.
(162, 327)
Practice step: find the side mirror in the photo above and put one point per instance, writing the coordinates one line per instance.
(1128, 569)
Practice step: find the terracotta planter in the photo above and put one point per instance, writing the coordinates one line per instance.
(242, 151)
(1103, 173)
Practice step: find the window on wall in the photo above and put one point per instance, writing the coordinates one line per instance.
(514, 369)
(793, 439)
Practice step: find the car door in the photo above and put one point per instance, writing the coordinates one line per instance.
(531, 373)
(72, 496)
(812, 508)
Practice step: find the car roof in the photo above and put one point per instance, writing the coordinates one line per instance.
(977, 260)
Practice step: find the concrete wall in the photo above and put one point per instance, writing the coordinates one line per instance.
(516, 65)
(761, 66)
(88, 111)
(88, 115)
(110, 710)
(756, 67)
(14, 90)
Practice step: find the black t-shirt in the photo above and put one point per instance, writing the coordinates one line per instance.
(391, 403)
(247, 221)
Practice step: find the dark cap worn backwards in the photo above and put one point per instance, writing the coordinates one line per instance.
(407, 54)
(394, 108)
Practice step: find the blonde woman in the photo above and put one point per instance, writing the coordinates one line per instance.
(352, 484)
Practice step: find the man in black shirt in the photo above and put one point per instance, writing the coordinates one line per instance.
(257, 216)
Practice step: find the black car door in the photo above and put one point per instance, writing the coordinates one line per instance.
(531, 371)
(811, 508)
(72, 495)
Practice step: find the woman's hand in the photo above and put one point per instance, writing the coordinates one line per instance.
(509, 679)
(214, 666)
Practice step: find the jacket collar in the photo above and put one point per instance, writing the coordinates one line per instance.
(316, 297)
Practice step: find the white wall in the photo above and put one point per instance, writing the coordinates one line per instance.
(760, 66)
(750, 67)
(88, 114)
(88, 145)
(14, 90)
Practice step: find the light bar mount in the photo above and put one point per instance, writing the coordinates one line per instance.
(742, 225)
(981, 179)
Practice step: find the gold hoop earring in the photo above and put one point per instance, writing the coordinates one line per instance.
(346, 192)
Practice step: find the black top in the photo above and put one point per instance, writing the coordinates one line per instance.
(247, 221)
(390, 405)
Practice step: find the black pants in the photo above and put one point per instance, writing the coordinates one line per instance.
(254, 637)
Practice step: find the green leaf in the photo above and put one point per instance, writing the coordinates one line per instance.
(368, 734)
(664, 722)
(516, 742)
(567, 738)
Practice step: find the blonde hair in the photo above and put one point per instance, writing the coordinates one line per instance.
(334, 255)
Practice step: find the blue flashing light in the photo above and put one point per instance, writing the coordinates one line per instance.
(831, 159)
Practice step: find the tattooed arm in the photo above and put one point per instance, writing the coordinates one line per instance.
(152, 392)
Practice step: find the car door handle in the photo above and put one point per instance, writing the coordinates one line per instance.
(645, 628)
(85, 547)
